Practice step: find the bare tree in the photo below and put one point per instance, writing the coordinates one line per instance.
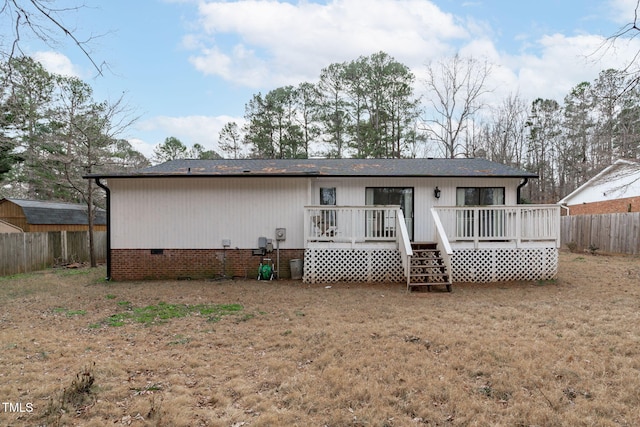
(545, 130)
(89, 134)
(44, 20)
(629, 31)
(455, 87)
(503, 136)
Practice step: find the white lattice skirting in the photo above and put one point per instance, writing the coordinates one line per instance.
(469, 265)
(352, 265)
(498, 265)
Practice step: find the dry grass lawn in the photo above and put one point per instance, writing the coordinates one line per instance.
(75, 350)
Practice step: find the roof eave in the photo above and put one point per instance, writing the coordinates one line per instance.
(304, 175)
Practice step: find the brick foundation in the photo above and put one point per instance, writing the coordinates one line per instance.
(628, 204)
(142, 264)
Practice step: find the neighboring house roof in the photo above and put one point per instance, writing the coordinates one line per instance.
(6, 227)
(620, 180)
(44, 212)
(328, 167)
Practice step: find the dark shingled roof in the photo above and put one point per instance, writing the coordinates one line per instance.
(328, 167)
(44, 212)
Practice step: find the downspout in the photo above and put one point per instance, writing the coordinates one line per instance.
(108, 192)
(526, 180)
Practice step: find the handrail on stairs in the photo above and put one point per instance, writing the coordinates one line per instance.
(443, 242)
(404, 244)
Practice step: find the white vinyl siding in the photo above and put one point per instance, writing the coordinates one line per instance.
(197, 213)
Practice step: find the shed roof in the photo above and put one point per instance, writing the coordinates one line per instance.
(45, 212)
(327, 167)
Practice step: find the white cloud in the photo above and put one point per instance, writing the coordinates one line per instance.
(562, 62)
(622, 11)
(56, 63)
(266, 44)
(272, 43)
(142, 146)
(258, 43)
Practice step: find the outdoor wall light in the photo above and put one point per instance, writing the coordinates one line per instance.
(436, 192)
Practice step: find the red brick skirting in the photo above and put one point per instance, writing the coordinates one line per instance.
(146, 264)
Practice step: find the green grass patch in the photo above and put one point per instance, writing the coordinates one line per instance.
(245, 317)
(110, 296)
(163, 312)
(19, 276)
(117, 319)
(547, 282)
(69, 313)
(76, 313)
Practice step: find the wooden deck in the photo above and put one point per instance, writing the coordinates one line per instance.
(478, 244)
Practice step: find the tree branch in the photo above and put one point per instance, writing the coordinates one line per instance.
(35, 19)
(47, 13)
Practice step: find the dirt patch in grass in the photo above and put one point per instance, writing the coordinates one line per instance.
(241, 353)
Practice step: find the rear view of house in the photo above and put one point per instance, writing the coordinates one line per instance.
(420, 221)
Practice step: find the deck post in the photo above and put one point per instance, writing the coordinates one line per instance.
(476, 228)
(353, 227)
(306, 228)
(518, 227)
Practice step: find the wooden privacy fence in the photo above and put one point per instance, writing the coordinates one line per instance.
(24, 252)
(610, 233)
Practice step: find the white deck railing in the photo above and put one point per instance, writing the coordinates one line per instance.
(351, 224)
(501, 223)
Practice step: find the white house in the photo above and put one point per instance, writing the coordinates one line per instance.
(614, 190)
(420, 221)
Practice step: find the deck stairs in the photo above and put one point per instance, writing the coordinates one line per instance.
(427, 268)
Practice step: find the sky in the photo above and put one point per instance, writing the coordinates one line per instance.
(187, 67)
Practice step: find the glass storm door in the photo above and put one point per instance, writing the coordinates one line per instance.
(402, 196)
(328, 218)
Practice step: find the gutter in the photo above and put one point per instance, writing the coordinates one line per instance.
(296, 175)
(108, 192)
(518, 198)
